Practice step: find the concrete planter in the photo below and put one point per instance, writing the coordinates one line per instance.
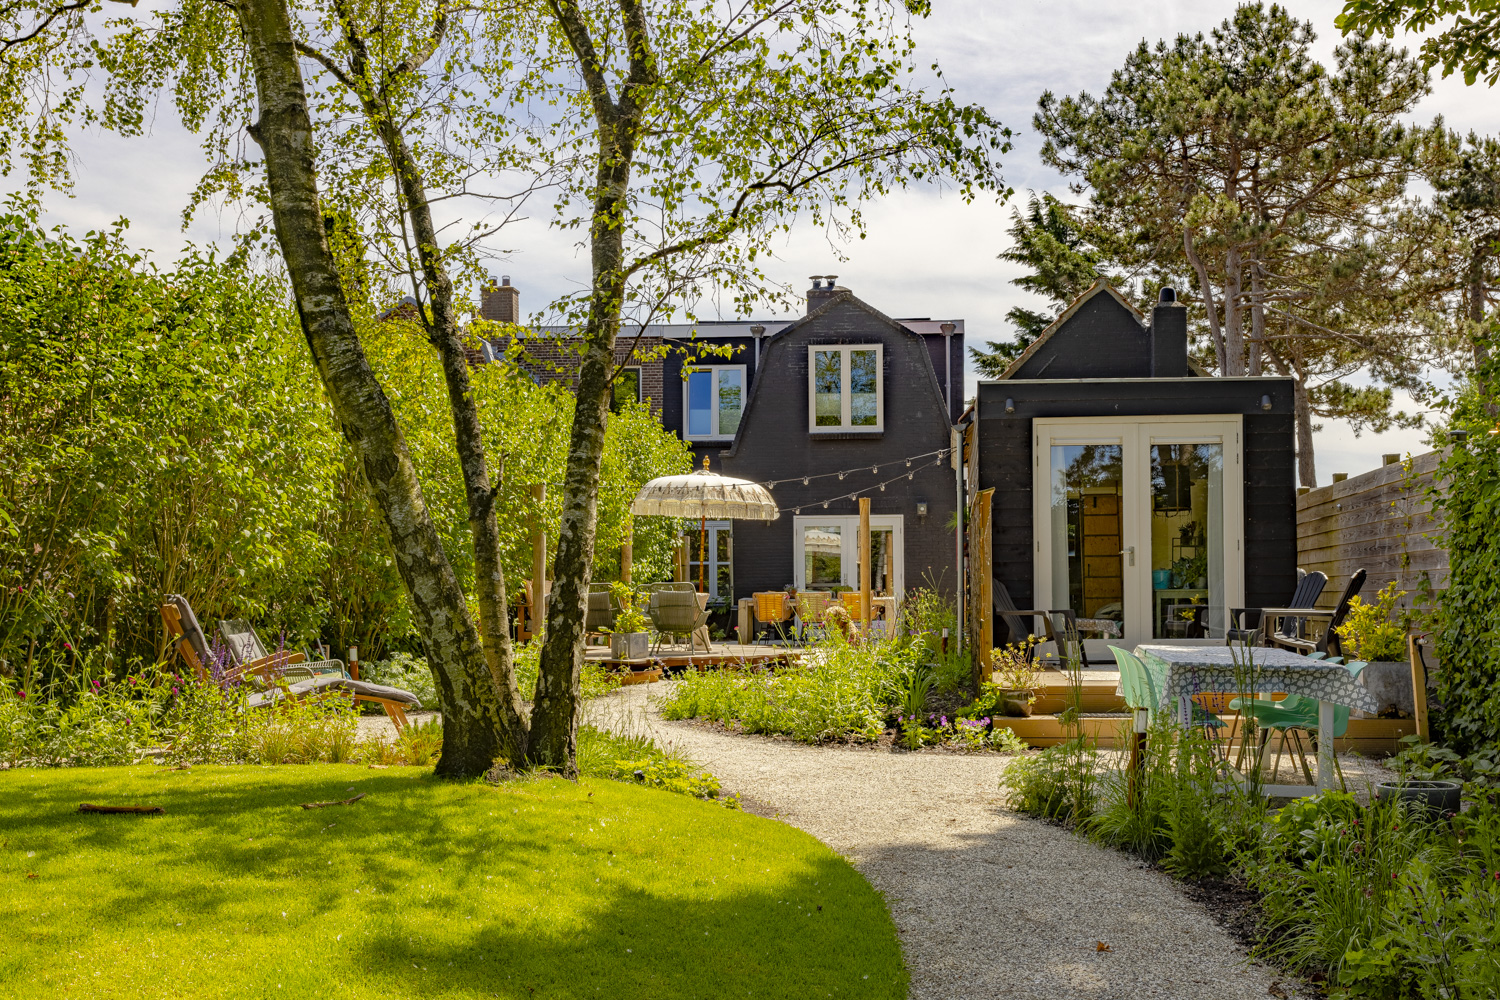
(1389, 683)
(630, 645)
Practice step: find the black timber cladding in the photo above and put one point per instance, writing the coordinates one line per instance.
(1005, 462)
(774, 443)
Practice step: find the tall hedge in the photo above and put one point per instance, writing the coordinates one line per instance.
(1466, 706)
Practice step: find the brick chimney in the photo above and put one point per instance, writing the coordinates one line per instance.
(1168, 333)
(500, 304)
(824, 287)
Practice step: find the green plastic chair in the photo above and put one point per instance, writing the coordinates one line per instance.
(1142, 688)
(1293, 713)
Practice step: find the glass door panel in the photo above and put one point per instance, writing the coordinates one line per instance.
(1087, 530)
(882, 562)
(1187, 540)
(822, 553)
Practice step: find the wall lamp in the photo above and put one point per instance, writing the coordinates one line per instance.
(921, 508)
(1010, 405)
(1265, 402)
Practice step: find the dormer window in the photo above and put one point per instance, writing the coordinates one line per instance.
(845, 388)
(714, 398)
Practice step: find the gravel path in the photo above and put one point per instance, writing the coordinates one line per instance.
(987, 903)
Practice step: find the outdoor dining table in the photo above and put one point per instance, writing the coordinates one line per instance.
(1191, 670)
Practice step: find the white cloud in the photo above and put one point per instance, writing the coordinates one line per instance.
(926, 254)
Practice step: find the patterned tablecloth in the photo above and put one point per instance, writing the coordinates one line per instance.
(1102, 626)
(1192, 670)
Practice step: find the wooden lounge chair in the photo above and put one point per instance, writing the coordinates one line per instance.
(1277, 623)
(273, 673)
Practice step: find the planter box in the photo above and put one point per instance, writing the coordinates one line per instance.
(1438, 798)
(1389, 683)
(630, 645)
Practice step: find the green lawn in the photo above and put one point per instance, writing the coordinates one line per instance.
(538, 888)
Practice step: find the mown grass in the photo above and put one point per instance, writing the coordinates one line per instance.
(424, 888)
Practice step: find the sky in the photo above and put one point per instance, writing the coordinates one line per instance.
(926, 252)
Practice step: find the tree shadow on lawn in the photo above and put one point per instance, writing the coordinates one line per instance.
(427, 887)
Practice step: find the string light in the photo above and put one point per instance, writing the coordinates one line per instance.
(906, 462)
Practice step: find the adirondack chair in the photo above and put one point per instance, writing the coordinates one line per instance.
(1017, 626)
(1062, 630)
(1275, 622)
(272, 673)
(1244, 623)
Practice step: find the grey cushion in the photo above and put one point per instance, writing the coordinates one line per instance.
(334, 683)
(191, 630)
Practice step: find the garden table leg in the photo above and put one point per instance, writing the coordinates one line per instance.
(1325, 745)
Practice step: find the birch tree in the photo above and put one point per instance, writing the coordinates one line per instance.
(693, 134)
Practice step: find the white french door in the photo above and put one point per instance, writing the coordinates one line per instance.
(826, 553)
(1139, 523)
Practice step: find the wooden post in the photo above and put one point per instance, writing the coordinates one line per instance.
(864, 561)
(1418, 685)
(981, 557)
(680, 560)
(538, 558)
(627, 553)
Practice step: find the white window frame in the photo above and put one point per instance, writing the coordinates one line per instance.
(711, 531)
(849, 545)
(714, 408)
(1136, 435)
(846, 398)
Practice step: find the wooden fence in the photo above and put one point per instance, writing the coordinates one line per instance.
(1381, 522)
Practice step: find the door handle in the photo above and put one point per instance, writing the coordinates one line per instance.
(1131, 550)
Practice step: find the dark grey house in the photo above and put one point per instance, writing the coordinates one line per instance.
(717, 404)
(849, 403)
(1128, 484)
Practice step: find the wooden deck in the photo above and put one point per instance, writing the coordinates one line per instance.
(726, 654)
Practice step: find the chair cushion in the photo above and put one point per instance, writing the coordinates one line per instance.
(333, 682)
(191, 630)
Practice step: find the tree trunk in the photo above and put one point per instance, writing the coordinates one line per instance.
(1307, 473)
(1234, 329)
(467, 696)
(489, 577)
(555, 707)
(1257, 316)
(1206, 290)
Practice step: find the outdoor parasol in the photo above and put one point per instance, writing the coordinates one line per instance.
(704, 494)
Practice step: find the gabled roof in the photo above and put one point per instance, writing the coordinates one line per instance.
(1100, 285)
(839, 297)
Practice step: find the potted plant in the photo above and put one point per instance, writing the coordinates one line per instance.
(630, 639)
(1376, 633)
(1419, 767)
(1015, 676)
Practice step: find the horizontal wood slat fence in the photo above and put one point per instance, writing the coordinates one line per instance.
(1381, 521)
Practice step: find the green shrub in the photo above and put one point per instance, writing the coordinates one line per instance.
(1376, 631)
(1058, 783)
(840, 691)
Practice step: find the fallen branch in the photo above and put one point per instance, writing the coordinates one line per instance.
(89, 807)
(341, 802)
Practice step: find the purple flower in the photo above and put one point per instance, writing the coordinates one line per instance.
(67, 645)
(174, 689)
(943, 721)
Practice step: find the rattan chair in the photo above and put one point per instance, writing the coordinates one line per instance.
(812, 605)
(678, 612)
(773, 608)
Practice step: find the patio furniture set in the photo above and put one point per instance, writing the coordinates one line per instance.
(796, 617)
